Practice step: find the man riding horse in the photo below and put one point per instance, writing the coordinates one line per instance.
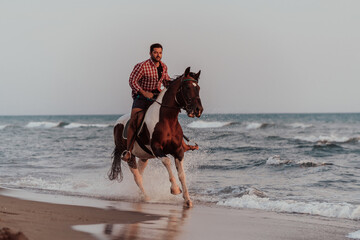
(145, 82)
(160, 134)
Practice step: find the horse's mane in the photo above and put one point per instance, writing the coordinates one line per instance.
(176, 78)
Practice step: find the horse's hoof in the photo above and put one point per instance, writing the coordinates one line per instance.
(175, 191)
(188, 204)
(196, 148)
(145, 198)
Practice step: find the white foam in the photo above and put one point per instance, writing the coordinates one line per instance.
(276, 160)
(79, 125)
(354, 235)
(253, 125)
(337, 210)
(2, 126)
(331, 138)
(204, 124)
(91, 184)
(300, 125)
(85, 184)
(42, 124)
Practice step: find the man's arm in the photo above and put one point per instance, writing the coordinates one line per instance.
(135, 76)
(167, 79)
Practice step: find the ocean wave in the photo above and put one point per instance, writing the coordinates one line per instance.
(221, 167)
(336, 210)
(277, 138)
(256, 125)
(233, 191)
(325, 145)
(309, 163)
(328, 140)
(246, 149)
(276, 160)
(44, 124)
(2, 127)
(354, 235)
(204, 124)
(84, 125)
(219, 136)
(300, 125)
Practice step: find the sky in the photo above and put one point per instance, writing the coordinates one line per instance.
(255, 56)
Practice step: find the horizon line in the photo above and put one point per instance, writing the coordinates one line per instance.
(112, 114)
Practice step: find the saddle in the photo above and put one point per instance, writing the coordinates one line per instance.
(156, 94)
(138, 131)
(125, 131)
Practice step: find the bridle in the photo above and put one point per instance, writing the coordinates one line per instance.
(180, 90)
(187, 103)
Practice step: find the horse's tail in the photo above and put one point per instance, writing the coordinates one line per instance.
(115, 172)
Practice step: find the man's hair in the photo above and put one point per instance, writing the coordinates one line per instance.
(155, 45)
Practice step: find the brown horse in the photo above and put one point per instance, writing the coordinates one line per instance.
(161, 134)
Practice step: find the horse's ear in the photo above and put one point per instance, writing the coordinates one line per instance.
(197, 75)
(187, 71)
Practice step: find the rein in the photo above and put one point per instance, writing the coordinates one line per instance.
(182, 94)
(163, 105)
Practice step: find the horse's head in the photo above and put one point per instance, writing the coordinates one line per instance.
(189, 93)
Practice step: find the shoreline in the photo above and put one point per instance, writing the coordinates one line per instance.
(39, 220)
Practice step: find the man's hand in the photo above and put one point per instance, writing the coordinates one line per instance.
(146, 94)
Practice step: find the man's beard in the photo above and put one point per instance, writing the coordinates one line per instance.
(156, 59)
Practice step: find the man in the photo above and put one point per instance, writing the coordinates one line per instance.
(145, 82)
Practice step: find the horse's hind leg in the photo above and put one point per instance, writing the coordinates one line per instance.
(137, 177)
(181, 174)
(174, 189)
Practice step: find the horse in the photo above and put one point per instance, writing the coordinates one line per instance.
(160, 134)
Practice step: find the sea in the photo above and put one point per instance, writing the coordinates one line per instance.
(292, 163)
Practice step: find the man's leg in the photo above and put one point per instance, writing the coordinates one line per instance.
(135, 119)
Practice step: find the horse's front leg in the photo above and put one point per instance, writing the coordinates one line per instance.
(181, 174)
(159, 153)
(187, 147)
(137, 177)
(174, 189)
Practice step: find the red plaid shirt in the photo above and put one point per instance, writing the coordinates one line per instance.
(145, 76)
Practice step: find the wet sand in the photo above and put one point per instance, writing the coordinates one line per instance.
(121, 220)
(38, 220)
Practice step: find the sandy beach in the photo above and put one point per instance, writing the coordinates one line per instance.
(121, 220)
(38, 220)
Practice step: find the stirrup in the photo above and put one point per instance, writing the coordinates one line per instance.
(126, 155)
